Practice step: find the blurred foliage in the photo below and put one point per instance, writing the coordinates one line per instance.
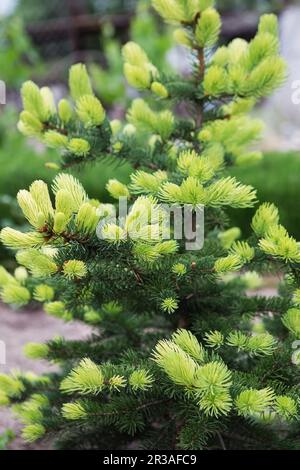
(6, 438)
(35, 10)
(112, 6)
(144, 26)
(109, 82)
(19, 162)
(276, 179)
(22, 161)
(260, 6)
(18, 58)
(53, 45)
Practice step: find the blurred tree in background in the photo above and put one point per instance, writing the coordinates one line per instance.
(145, 29)
(18, 58)
(34, 10)
(112, 6)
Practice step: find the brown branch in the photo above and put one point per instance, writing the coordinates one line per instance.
(201, 60)
(50, 127)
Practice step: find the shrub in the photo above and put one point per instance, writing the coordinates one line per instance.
(181, 357)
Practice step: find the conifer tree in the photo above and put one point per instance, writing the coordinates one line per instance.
(180, 356)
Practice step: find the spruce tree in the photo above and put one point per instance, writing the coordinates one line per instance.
(180, 357)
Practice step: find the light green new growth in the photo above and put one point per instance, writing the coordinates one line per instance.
(84, 379)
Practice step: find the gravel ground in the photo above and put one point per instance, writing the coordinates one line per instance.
(17, 329)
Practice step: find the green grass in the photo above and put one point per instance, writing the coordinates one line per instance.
(277, 180)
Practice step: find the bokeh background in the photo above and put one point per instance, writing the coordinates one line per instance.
(39, 40)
